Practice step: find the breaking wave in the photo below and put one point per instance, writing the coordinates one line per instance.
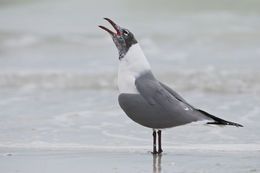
(57, 81)
(205, 81)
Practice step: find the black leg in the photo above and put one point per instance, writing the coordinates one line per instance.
(160, 142)
(154, 142)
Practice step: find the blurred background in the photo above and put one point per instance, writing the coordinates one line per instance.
(58, 70)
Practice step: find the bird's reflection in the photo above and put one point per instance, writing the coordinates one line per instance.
(157, 167)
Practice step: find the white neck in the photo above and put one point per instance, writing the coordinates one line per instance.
(133, 64)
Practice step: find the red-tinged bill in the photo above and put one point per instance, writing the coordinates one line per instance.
(114, 26)
(108, 30)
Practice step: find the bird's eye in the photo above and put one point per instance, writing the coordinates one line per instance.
(125, 32)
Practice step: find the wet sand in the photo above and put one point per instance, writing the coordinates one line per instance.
(128, 161)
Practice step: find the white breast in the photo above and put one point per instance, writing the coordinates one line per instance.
(130, 67)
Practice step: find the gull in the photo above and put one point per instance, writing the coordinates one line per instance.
(146, 100)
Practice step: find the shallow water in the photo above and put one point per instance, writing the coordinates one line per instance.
(58, 80)
(104, 161)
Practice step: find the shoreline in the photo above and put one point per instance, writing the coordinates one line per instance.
(41, 161)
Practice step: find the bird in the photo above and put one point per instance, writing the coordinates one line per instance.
(145, 99)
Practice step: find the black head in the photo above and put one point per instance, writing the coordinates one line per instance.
(123, 38)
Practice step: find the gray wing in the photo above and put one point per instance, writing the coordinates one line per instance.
(216, 120)
(156, 107)
(175, 94)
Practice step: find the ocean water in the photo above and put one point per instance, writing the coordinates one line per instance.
(58, 74)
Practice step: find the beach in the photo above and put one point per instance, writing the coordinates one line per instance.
(58, 86)
(123, 160)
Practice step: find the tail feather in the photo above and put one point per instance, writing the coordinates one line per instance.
(219, 121)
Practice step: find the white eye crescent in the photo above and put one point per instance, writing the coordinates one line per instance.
(125, 32)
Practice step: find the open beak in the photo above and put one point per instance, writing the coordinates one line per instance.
(116, 27)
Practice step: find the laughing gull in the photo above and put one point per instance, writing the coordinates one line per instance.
(146, 100)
